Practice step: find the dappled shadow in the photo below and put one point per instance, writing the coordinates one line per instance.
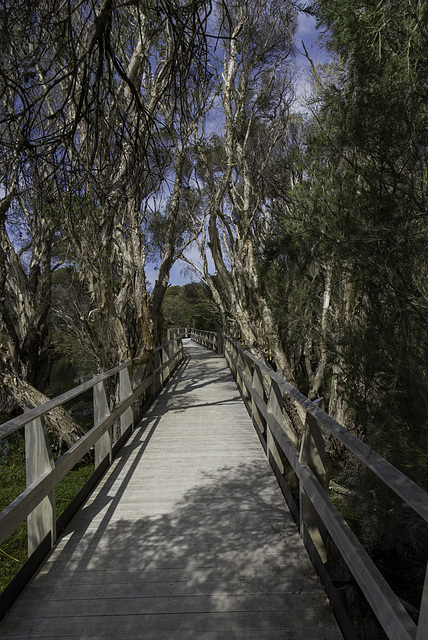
(187, 537)
(202, 368)
(223, 557)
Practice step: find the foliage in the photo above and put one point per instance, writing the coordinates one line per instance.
(317, 225)
(190, 306)
(365, 198)
(13, 552)
(72, 324)
(95, 123)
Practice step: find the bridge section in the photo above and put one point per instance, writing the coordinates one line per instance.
(186, 536)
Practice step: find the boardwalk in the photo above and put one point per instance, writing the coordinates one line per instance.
(186, 537)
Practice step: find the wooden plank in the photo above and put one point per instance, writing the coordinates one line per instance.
(104, 444)
(408, 490)
(17, 423)
(99, 587)
(19, 509)
(390, 612)
(187, 533)
(385, 604)
(257, 401)
(29, 498)
(122, 624)
(155, 605)
(383, 601)
(125, 390)
(297, 579)
(39, 460)
(274, 413)
(312, 454)
(229, 634)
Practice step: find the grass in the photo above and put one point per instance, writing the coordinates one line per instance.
(13, 551)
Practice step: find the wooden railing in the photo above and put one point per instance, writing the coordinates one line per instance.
(210, 339)
(178, 332)
(264, 392)
(37, 502)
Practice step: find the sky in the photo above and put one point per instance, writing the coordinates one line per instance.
(309, 34)
(180, 274)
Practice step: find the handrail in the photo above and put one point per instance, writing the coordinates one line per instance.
(210, 339)
(7, 428)
(43, 474)
(408, 490)
(263, 392)
(18, 422)
(178, 332)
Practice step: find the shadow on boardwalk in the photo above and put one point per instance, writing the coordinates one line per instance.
(187, 537)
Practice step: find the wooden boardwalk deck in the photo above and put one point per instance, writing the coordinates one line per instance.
(186, 537)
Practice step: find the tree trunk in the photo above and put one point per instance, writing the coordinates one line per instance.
(61, 426)
(345, 316)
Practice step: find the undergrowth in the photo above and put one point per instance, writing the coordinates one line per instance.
(13, 551)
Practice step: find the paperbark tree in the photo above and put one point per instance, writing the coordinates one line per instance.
(136, 128)
(238, 169)
(256, 94)
(81, 89)
(26, 266)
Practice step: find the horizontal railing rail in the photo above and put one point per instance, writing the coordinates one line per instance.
(264, 392)
(37, 501)
(14, 424)
(210, 339)
(178, 332)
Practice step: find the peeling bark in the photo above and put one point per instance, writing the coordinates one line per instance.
(64, 430)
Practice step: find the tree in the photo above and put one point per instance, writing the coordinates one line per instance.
(365, 196)
(191, 306)
(81, 91)
(238, 167)
(28, 256)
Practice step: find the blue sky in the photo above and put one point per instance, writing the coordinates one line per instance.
(308, 33)
(180, 274)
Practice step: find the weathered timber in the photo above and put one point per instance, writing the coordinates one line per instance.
(42, 484)
(38, 460)
(186, 536)
(318, 514)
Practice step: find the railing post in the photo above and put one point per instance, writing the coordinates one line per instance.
(226, 349)
(103, 446)
(220, 344)
(243, 371)
(275, 409)
(125, 391)
(158, 375)
(166, 371)
(246, 376)
(233, 361)
(39, 460)
(257, 388)
(171, 358)
(174, 354)
(178, 347)
(422, 632)
(312, 454)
